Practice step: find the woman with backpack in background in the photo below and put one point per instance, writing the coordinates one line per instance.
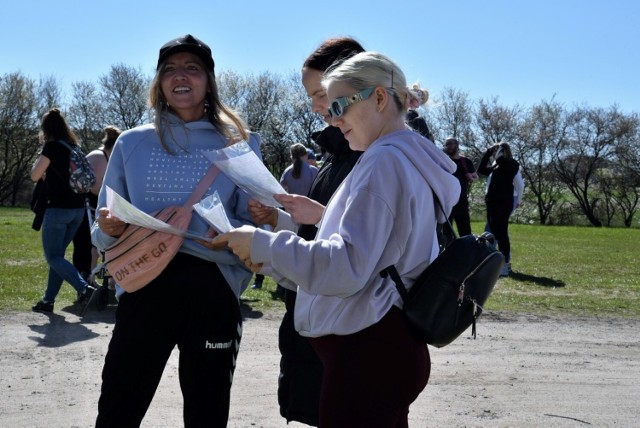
(64, 213)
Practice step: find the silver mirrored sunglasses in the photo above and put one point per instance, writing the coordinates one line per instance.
(338, 106)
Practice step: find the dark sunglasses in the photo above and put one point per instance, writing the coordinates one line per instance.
(338, 106)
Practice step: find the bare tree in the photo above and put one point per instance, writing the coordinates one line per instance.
(589, 146)
(304, 122)
(124, 93)
(543, 129)
(628, 151)
(622, 195)
(262, 101)
(233, 89)
(496, 122)
(18, 134)
(85, 114)
(453, 117)
(621, 188)
(264, 93)
(49, 94)
(275, 107)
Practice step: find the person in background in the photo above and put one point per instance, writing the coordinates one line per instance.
(466, 174)
(259, 280)
(98, 159)
(194, 303)
(311, 158)
(498, 165)
(518, 193)
(64, 213)
(413, 119)
(85, 255)
(300, 368)
(374, 366)
(298, 177)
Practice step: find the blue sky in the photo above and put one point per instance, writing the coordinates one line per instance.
(523, 52)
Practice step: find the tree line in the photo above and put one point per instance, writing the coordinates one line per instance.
(579, 163)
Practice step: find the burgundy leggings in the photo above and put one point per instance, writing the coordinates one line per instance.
(372, 376)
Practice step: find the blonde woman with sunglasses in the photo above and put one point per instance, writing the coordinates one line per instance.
(383, 214)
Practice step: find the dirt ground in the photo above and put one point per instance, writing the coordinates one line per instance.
(521, 371)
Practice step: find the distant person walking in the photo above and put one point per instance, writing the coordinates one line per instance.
(64, 213)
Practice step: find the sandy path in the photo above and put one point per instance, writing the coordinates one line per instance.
(521, 371)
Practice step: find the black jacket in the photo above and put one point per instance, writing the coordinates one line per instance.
(502, 174)
(300, 369)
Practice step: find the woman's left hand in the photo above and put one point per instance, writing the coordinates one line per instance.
(239, 241)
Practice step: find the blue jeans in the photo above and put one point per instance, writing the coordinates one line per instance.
(58, 228)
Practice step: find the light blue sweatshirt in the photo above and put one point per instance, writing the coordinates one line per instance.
(383, 214)
(143, 173)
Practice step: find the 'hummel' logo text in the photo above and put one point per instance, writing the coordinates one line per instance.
(219, 345)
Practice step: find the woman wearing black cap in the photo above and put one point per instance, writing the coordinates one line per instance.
(194, 302)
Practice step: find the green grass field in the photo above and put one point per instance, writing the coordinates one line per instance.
(574, 270)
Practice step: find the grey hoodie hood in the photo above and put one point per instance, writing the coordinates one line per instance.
(432, 163)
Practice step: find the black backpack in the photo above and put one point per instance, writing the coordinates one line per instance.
(448, 295)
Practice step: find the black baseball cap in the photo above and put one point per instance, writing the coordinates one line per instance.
(187, 43)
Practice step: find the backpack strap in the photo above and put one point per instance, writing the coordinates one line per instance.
(395, 276)
(67, 145)
(64, 143)
(436, 202)
(393, 272)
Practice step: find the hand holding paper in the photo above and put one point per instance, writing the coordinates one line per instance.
(125, 211)
(239, 241)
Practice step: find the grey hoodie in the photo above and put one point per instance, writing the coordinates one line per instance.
(142, 172)
(382, 214)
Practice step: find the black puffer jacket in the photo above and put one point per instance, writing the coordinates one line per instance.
(300, 369)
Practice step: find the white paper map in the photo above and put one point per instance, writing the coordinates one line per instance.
(125, 211)
(246, 170)
(212, 210)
